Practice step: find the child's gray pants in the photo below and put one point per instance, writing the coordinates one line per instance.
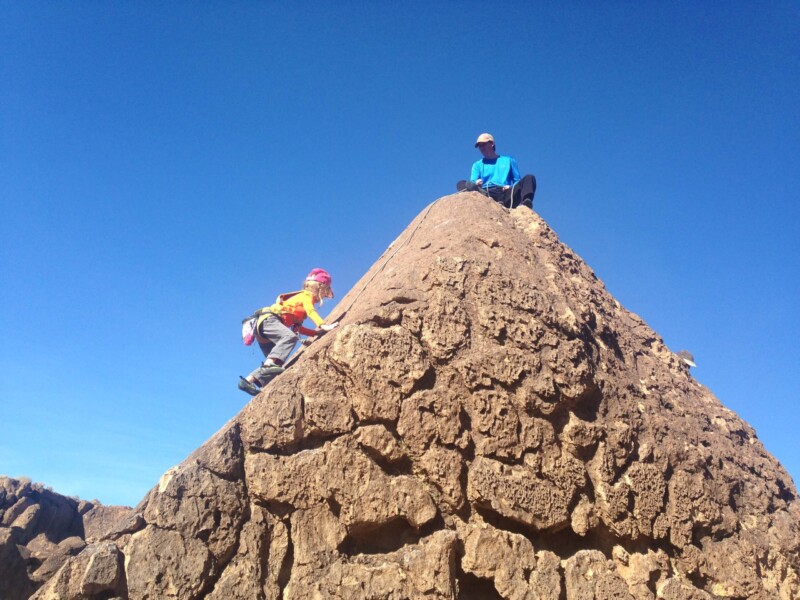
(281, 342)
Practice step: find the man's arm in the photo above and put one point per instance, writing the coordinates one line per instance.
(514, 170)
(475, 176)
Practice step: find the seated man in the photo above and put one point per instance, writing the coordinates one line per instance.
(498, 177)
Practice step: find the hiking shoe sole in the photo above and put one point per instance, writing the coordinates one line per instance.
(248, 387)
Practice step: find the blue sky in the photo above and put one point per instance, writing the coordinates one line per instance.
(167, 167)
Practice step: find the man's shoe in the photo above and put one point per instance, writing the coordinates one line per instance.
(248, 387)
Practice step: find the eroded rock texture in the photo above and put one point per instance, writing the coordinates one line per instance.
(487, 422)
(40, 530)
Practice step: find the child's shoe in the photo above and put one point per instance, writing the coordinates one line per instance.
(248, 387)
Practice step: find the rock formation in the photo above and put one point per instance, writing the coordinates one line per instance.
(487, 422)
(40, 530)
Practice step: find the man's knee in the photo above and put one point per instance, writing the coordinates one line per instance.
(528, 190)
(468, 186)
(528, 182)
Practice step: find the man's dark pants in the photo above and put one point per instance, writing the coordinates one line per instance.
(521, 193)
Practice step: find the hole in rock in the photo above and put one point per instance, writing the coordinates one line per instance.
(610, 340)
(498, 521)
(586, 407)
(385, 321)
(567, 543)
(285, 571)
(700, 581)
(652, 581)
(277, 508)
(402, 466)
(403, 300)
(426, 382)
(785, 493)
(379, 538)
(336, 508)
(502, 336)
(471, 587)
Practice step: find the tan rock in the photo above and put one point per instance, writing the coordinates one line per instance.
(338, 472)
(42, 531)
(378, 441)
(545, 581)
(675, 589)
(248, 575)
(588, 575)
(505, 558)
(95, 572)
(517, 493)
(487, 421)
(100, 520)
(200, 505)
(14, 515)
(445, 469)
(383, 364)
(424, 570)
(15, 581)
(163, 563)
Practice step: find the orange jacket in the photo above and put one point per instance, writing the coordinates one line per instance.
(292, 308)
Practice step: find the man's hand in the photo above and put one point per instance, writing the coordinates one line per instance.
(327, 328)
(479, 182)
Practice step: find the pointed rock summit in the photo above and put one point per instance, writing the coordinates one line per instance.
(487, 422)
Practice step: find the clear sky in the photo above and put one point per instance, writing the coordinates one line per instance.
(168, 167)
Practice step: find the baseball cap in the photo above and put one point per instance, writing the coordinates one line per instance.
(484, 137)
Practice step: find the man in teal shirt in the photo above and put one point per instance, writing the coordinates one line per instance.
(498, 177)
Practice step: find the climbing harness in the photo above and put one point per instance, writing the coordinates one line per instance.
(386, 262)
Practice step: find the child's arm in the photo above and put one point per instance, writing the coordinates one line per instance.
(308, 306)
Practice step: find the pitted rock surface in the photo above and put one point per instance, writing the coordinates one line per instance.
(487, 422)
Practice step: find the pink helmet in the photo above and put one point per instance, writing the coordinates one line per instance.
(321, 276)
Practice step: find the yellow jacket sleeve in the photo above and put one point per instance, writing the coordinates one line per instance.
(308, 306)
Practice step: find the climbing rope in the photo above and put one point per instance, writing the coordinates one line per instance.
(386, 262)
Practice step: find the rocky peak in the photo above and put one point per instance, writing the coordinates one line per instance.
(487, 422)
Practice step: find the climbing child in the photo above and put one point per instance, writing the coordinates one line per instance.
(277, 327)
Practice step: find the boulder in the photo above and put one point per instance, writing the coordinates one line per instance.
(40, 530)
(487, 422)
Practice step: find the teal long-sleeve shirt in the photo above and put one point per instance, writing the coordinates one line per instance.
(495, 172)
